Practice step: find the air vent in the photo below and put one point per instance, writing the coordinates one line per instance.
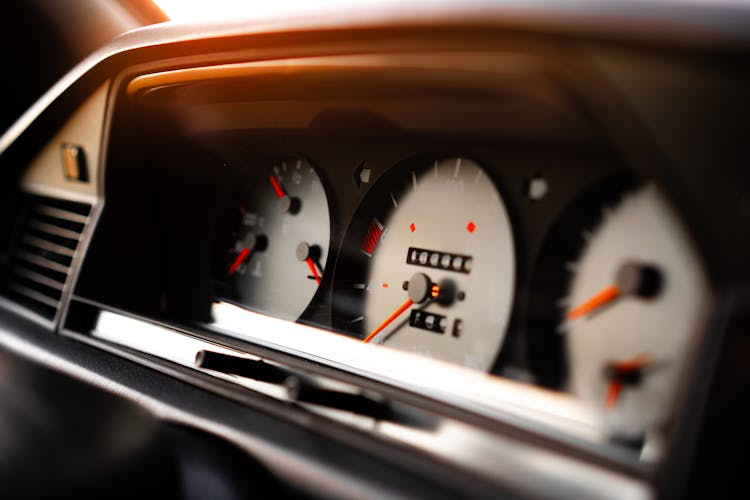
(43, 252)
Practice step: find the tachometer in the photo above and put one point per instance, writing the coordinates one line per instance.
(636, 299)
(275, 237)
(428, 264)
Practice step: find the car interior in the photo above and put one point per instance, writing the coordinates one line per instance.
(375, 249)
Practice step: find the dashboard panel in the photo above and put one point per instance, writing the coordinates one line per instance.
(469, 248)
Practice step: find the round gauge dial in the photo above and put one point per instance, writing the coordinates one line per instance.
(276, 238)
(428, 265)
(634, 306)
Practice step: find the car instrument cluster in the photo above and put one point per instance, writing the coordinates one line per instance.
(464, 230)
(428, 264)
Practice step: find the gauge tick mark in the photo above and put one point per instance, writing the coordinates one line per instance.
(478, 176)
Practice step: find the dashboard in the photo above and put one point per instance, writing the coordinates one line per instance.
(400, 253)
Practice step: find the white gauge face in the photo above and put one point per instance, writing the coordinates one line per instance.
(442, 237)
(273, 256)
(636, 303)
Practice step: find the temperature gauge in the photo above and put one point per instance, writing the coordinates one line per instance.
(275, 244)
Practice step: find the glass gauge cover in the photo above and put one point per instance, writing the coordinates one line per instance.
(273, 240)
(428, 264)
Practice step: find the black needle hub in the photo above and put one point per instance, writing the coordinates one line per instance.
(306, 251)
(641, 280)
(419, 288)
(255, 242)
(448, 292)
(290, 204)
(631, 376)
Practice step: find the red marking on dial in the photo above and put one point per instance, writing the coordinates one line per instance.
(371, 237)
(471, 226)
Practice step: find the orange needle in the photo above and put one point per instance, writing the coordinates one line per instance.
(603, 297)
(613, 393)
(632, 364)
(622, 368)
(313, 270)
(403, 307)
(239, 260)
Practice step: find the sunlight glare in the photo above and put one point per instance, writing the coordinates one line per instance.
(213, 10)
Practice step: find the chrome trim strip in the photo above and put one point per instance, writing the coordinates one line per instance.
(511, 462)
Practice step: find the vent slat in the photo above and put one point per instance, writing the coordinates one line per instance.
(63, 260)
(47, 245)
(41, 261)
(38, 278)
(57, 231)
(59, 213)
(44, 251)
(34, 295)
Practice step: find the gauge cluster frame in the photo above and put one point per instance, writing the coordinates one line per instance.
(338, 157)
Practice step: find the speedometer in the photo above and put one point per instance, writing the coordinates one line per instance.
(428, 264)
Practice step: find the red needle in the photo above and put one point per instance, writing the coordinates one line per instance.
(276, 186)
(313, 270)
(403, 307)
(239, 260)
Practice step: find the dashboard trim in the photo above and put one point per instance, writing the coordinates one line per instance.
(132, 50)
(404, 433)
(590, 18)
